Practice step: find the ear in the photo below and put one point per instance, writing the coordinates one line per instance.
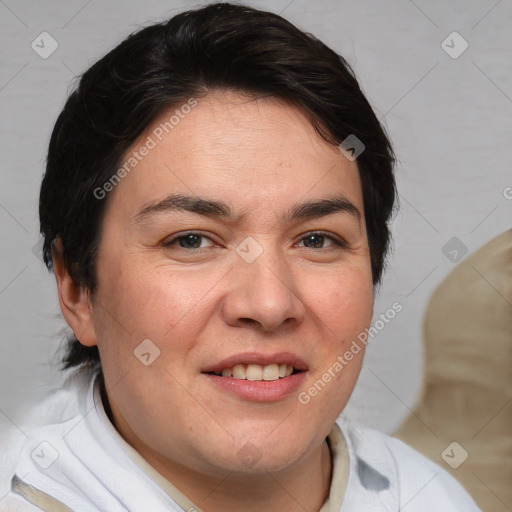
(75, 300)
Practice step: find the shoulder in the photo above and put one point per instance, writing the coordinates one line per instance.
(425, 482)
(29, 450)
(383, 464)
(12, 502)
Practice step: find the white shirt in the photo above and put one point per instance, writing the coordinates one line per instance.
(75, 460)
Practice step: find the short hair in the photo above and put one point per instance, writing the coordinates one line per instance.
(218, 47)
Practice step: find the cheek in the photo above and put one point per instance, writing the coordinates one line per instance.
(344, 302)
(137, 302)
(137, 295)
(344, 307)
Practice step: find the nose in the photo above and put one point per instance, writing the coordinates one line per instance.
(263, 293)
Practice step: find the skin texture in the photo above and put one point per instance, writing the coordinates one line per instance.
(201, 305)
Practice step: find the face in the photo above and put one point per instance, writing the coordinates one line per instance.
(236, 281)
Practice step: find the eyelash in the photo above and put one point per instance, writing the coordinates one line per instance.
(171, 242)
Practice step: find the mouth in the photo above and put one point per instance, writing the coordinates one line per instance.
(258, 372)
(256, 366)
(258, 377)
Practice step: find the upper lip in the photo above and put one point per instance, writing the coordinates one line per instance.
(258, 358)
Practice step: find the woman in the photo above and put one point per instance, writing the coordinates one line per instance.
(215, 210)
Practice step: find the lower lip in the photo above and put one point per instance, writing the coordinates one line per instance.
(259, 390)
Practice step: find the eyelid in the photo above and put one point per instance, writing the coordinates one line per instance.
(327, 234)
(336, 239)
(169, 241)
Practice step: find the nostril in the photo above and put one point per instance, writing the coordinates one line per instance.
(250, 321)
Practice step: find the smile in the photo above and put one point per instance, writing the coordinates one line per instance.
(258, 377)
(255, 372)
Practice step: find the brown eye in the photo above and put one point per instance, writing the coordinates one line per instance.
(187, 241)
(316, 240)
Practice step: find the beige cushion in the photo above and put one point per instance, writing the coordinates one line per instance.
(467, 392)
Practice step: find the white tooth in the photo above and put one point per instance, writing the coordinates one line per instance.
(239, 371)
(271, 372)
(254, 372)
(282, 370)
(289, 370)
(226, 372)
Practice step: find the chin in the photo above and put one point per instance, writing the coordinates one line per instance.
(258, 456)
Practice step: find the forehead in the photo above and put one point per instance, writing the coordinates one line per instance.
(254, 155)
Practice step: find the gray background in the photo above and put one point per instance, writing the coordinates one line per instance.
(449, 120)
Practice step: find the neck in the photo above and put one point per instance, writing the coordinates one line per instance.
(303, 488)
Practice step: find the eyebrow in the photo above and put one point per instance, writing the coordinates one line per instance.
(218, 209)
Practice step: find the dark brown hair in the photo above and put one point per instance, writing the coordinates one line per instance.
(221, 46)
